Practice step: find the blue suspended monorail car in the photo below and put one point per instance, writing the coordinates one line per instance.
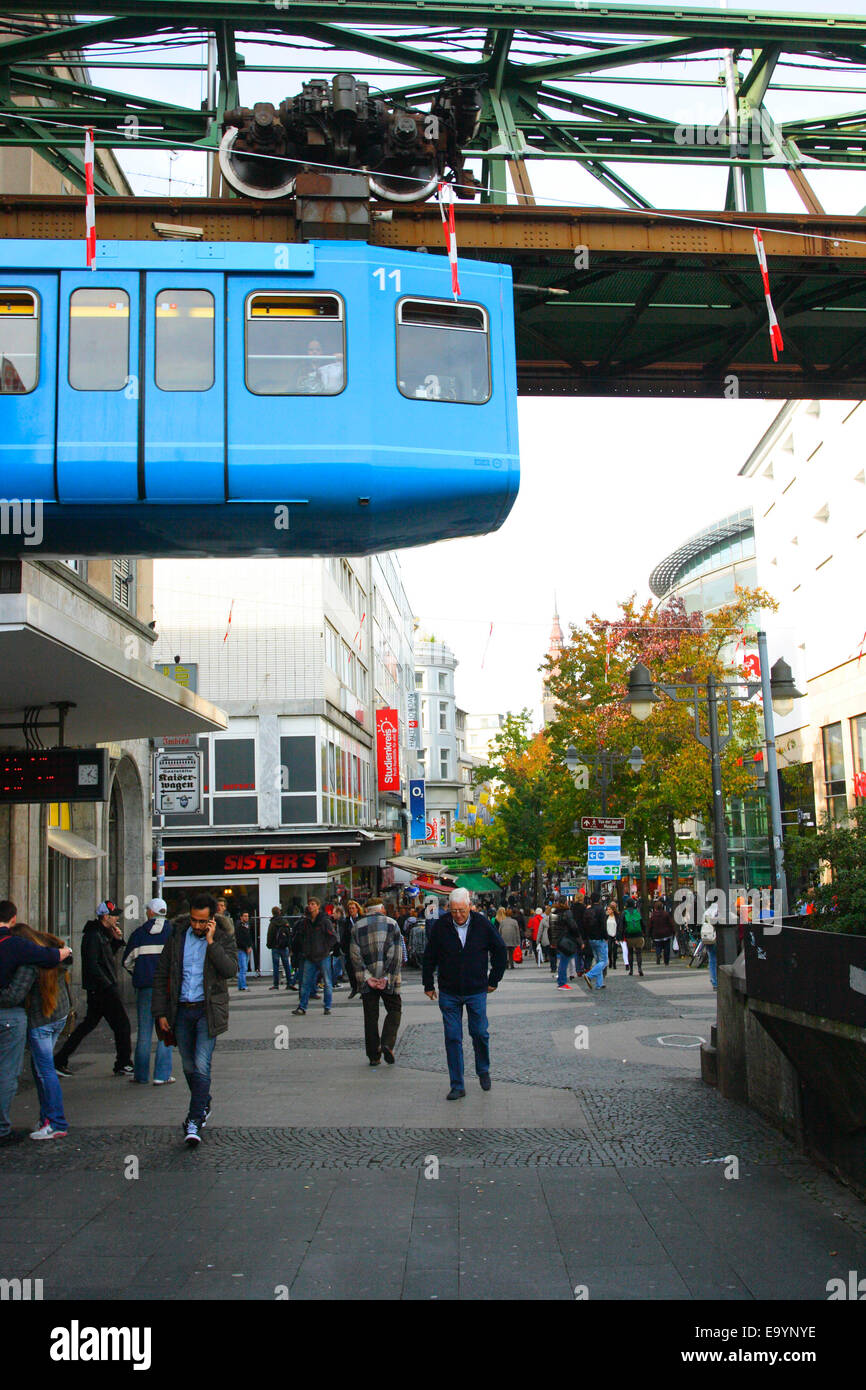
(228, 399)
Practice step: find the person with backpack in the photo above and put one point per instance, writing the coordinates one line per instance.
(567, 943)
(633, 935)
(596, 931)
(279, 940)
(100, 942)
(143, 950)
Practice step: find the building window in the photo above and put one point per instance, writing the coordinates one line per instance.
(443, 682)
(425, 715)
(294, 344)
(299, 804)
(98, 340)
(834, 772)
(234, 761)
(442, 351)
(19, 342)
(443, 716)
(184, 340)
(444, 764)
(123, 583)
(332, 649)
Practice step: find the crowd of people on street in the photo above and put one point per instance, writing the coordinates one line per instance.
(181, 968)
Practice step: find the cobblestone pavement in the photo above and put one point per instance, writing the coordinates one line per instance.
(599, 1159)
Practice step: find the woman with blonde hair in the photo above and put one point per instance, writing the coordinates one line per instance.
(510, 933)
(353, 912)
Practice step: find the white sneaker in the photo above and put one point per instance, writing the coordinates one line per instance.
(48, 1131)
(169, 1081)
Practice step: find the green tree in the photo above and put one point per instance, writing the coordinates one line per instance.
(840, 851)
(589, 681)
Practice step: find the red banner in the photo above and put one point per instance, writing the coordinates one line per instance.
(388, 750)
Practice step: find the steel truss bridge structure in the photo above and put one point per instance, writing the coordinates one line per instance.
(633, 300)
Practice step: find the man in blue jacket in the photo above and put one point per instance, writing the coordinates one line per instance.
(470, 957)
(143, 950)
(15, 951)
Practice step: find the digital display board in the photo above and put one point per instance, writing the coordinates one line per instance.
(53, 774)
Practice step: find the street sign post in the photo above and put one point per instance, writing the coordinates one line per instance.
(604, 857)
(604, 824)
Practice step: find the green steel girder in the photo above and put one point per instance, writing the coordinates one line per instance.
(521, 55)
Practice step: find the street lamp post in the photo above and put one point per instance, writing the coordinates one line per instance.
(603, 763)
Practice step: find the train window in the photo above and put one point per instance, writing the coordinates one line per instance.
(19, 342)
(184, 340)
(442, 351)
(295, 345)
(98, 340)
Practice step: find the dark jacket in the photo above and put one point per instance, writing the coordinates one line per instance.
(595, 922)
(220, 966)
(278, 923)
(661, 923)
(319, 938)
(143, 950)
(98, 950)
(17, 950)
(468, 969)
(243, 936)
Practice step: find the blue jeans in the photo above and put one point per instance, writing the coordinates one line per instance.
(13, 1035)
(311, 969)
(281, 954)
(599, 951)
(562, 974)
(42, 1042)
(243, 962)
(713, 965)
(451, 1006)
(196, 1049)
(146, 1025)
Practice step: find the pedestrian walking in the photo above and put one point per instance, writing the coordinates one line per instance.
(633, 935)
(278, 942)
(596, 931)
(191, 1000)
(567, 945)
(318, 940)
(468, 955)
(376, 961)
(100, 943)
(709, 940)
(143, 950)
(42, 996)
(510, 933)
(244, 942)
(353, 914)
(613, 926)
(662, 928)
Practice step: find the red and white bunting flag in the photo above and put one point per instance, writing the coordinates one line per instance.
(229, 623)
(357, 637)
(775, 330)
(862, 648)
(445, 195)
(89, 199)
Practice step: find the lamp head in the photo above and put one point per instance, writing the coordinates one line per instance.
(783, 691)
(641, 695)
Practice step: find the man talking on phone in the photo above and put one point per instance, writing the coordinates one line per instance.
(470, 957)
(191, 999)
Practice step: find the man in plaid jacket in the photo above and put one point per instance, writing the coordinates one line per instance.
(376, 958)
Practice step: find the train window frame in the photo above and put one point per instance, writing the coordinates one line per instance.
(296, 294)
(16, 290)
(183, 289)
(447, 304)
(106, 390)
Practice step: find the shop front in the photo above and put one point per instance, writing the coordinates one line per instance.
(255, 879)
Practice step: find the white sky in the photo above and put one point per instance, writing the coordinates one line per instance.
(608, 487)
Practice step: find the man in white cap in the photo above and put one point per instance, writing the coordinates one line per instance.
(143, 950)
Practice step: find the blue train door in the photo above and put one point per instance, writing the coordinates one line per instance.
(28, 384)
(299, 404)
(98, 392)
(184, 396)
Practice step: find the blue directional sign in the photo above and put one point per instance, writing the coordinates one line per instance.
(418, 810)
(604, 856)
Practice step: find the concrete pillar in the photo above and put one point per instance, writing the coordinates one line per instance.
(731, 1037)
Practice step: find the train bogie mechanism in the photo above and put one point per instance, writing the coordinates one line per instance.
(339, 125)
